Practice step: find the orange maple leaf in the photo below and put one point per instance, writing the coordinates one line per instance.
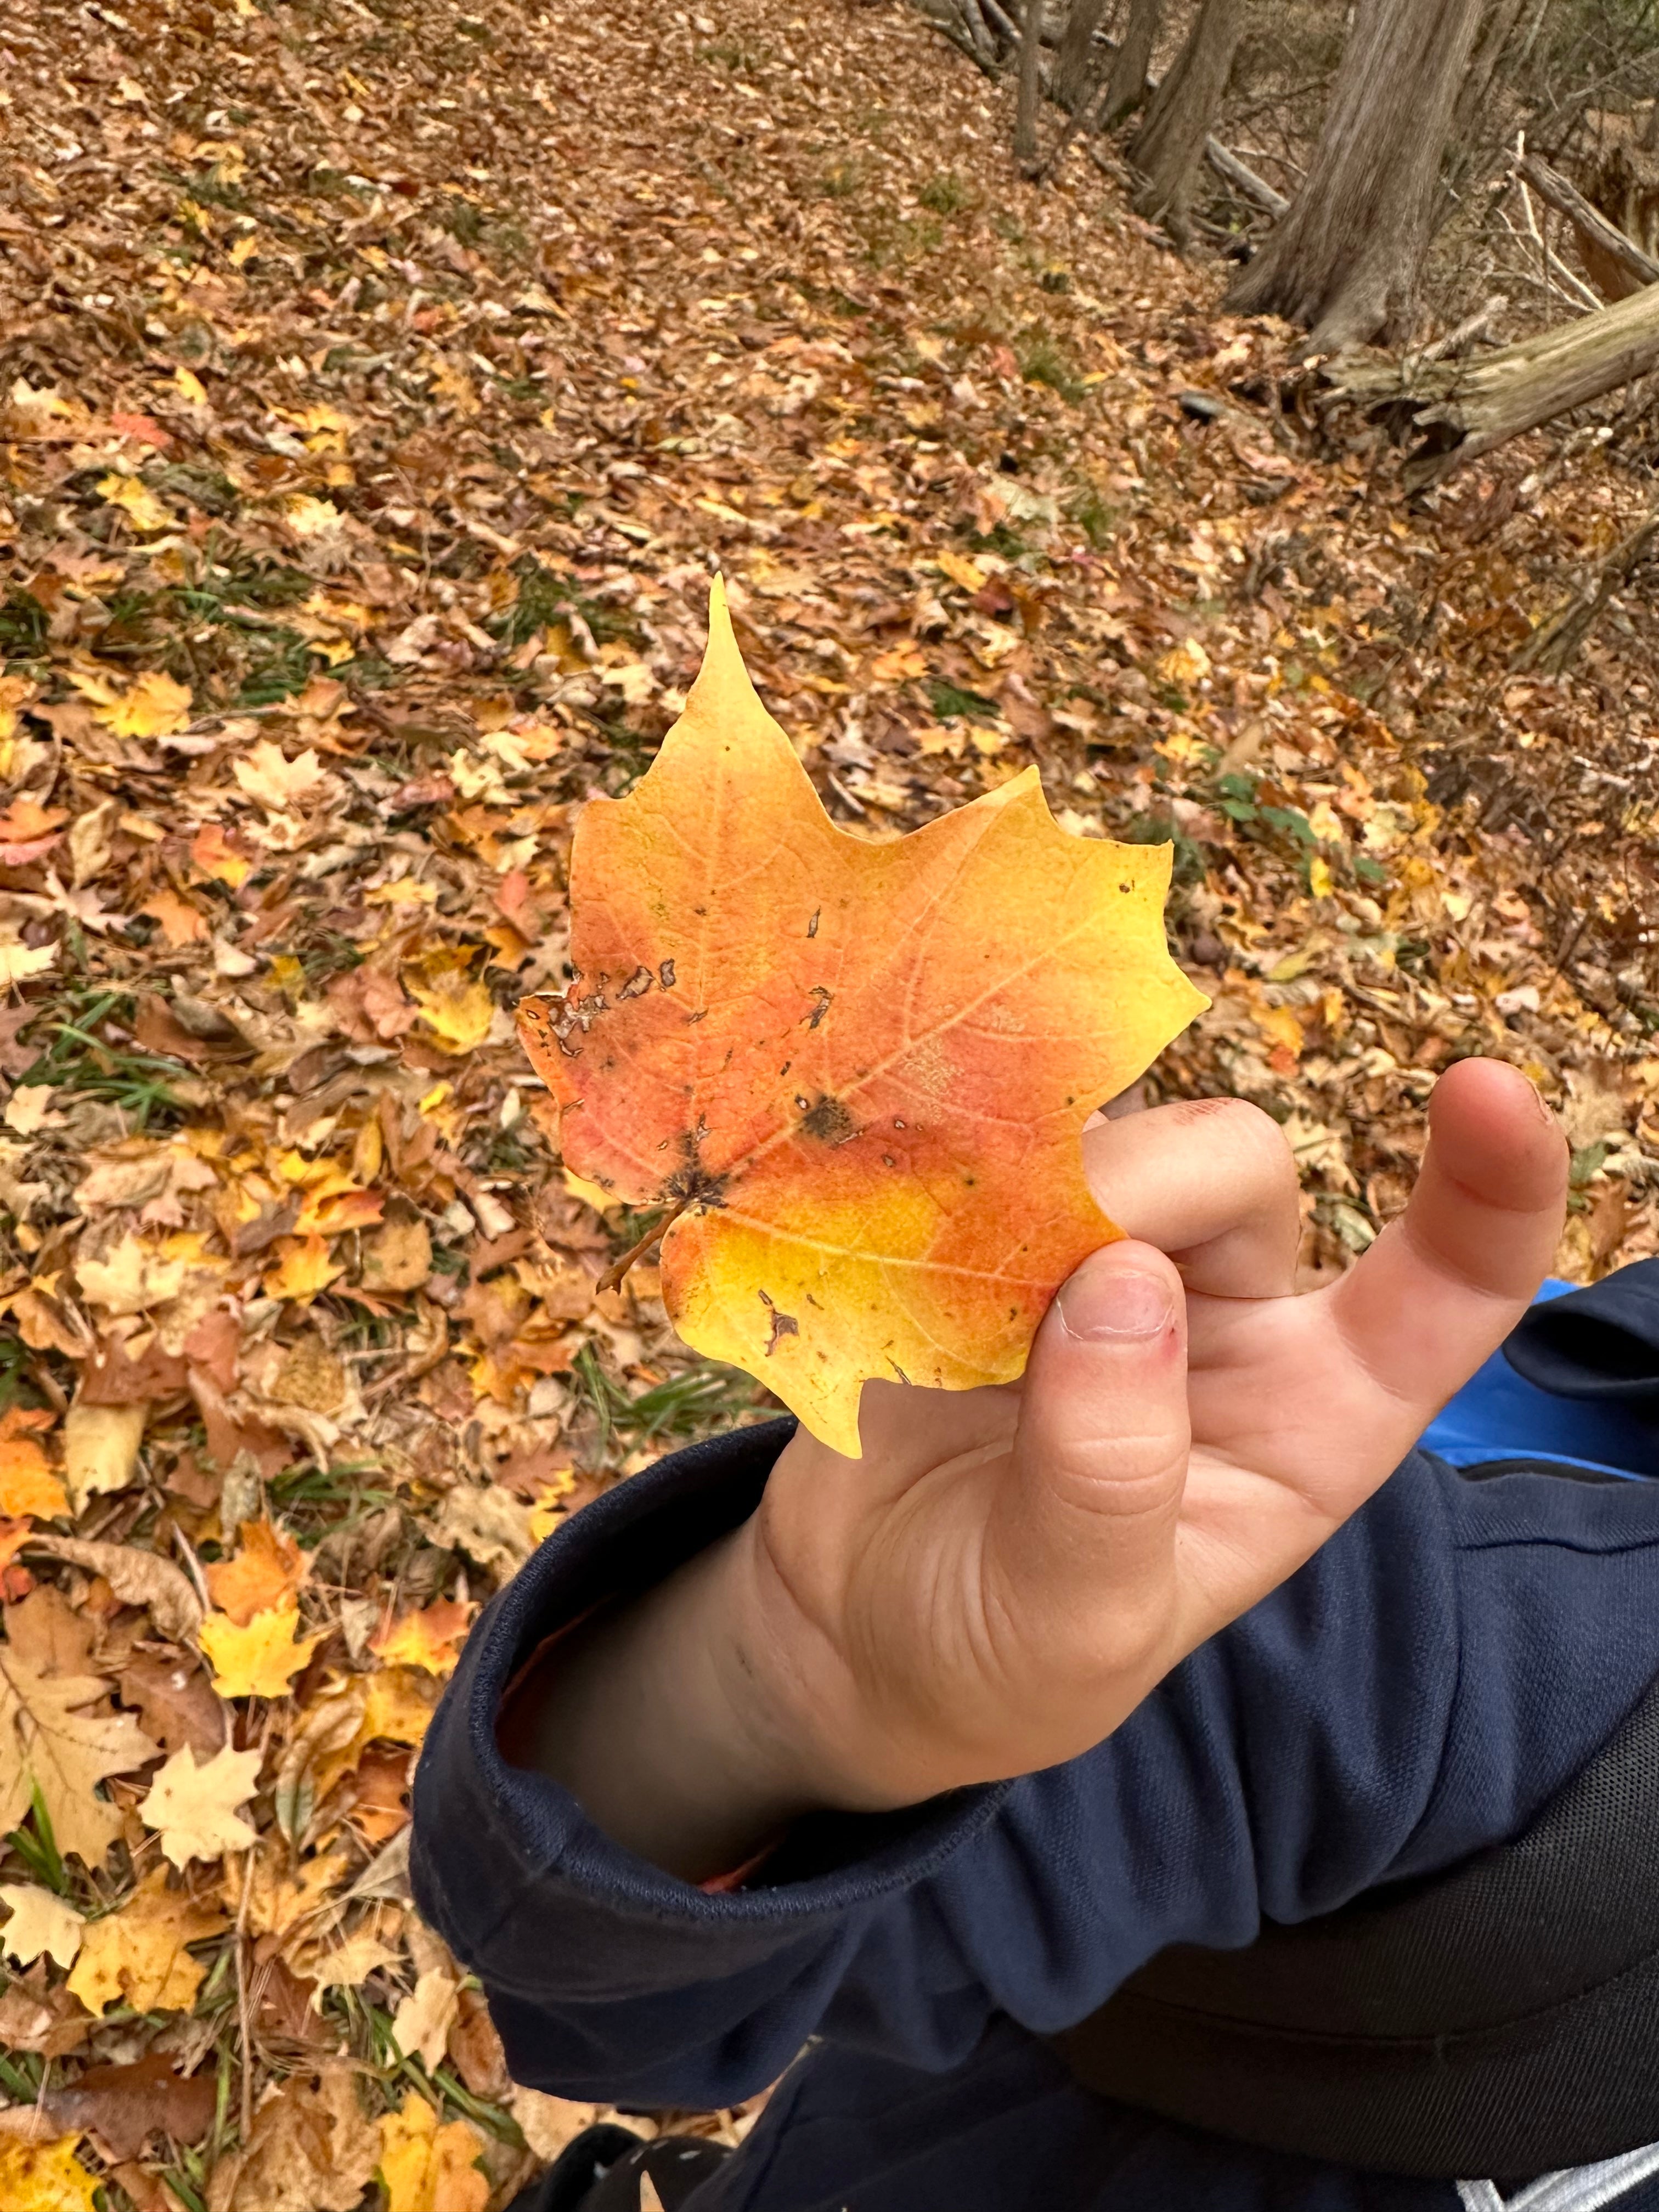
(856, 1072)
(430, 1638)
(267, 1571)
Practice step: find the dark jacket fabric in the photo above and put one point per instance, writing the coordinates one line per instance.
(1418, 1689)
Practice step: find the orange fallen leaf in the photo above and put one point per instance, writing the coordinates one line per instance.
(259, 1659)
(180, 923)
(267, 1571)
(303, 1268)
(858, 1073)
(430, 1638)
(27, 1484)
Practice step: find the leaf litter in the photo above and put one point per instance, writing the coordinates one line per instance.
(379, 391)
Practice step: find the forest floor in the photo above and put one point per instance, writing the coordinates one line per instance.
(379, 387)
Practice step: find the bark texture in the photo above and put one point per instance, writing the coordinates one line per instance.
(1344, 262)
(1461, 409)
(1074, 57)
(1031, 86)
(1127, 87)
(1169, 147)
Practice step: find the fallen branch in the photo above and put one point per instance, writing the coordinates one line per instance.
(1228, 166)
(1459, 410)
(1458, 339)
(1557, 643)
(1589, 222)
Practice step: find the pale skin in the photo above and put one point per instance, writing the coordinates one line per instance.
(1007, 1572)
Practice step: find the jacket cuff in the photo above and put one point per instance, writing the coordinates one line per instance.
(540, 1901)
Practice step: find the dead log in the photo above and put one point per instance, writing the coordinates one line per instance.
(1459, 410)
(1592, 226)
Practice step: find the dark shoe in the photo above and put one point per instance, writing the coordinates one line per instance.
(600, 2172)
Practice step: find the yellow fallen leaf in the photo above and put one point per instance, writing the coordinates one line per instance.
(136, 1956)
(137, 501)
(100, 1449)
(28, 1110)
(191, 1807)
(968, 574)
(456, 1011)
(45, 2176)
(154, 707)
(189, 385)
(590, 1193)
(1321, 882)
(40, 1921)
(427, 2168)
(261, 1660)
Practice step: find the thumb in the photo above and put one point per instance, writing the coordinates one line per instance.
(1100, 1454)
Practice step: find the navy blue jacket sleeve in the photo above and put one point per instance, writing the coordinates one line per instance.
(1418, 1690)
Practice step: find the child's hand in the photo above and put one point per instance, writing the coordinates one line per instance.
(1006, 1573)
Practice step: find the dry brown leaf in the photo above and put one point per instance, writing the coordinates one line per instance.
(50, 1741)
(137, 1576)
(312, 2149)
(421, 2024)
(124, 2105)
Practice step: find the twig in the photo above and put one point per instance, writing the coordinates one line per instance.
(612, 1276)
(1589, 222)
(244, 2036)
(1470, 328)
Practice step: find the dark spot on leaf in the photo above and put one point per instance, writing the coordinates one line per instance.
(829, 1122)
(812, 925)
(666, 974)
(783, 1325)
(820, 1006)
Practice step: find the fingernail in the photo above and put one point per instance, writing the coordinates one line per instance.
(1103, 1302)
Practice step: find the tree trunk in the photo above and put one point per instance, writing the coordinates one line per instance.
(1344, 263)
(1031, 86)
(1170, 145)
(1127, 85)
(1074, 57)
(1461, 409)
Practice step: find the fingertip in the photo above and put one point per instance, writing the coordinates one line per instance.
(1491, 1131)
(1126, 1293)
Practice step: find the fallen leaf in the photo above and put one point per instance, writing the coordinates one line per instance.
(268, 1570)
(427, 2168)
(430, 1638)
(40, 1921)
(45, 2176)
(28, 1110)
(27, 1484)
(19, 962)
(49, 1743)
(867, 1069)
(136, 1576)
(266, 775)
(348, 1965)
(175, 1701)
(124, 2105)
(421, 2024)
(181, 922)
(258, 1660)
(303, 1268)
(130, 1277)
(137, 501)
(455, 1011)
(550, 2125)
(311, 2150)
(486, 1523)
(137, 1955)
(193, 1807)
(152, 707)
(398, 1256)
(101, 1448)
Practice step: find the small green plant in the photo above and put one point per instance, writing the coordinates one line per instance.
(951, 703)
(843, 180)
(1041, 361)
(701, 1397)
(946, 194)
